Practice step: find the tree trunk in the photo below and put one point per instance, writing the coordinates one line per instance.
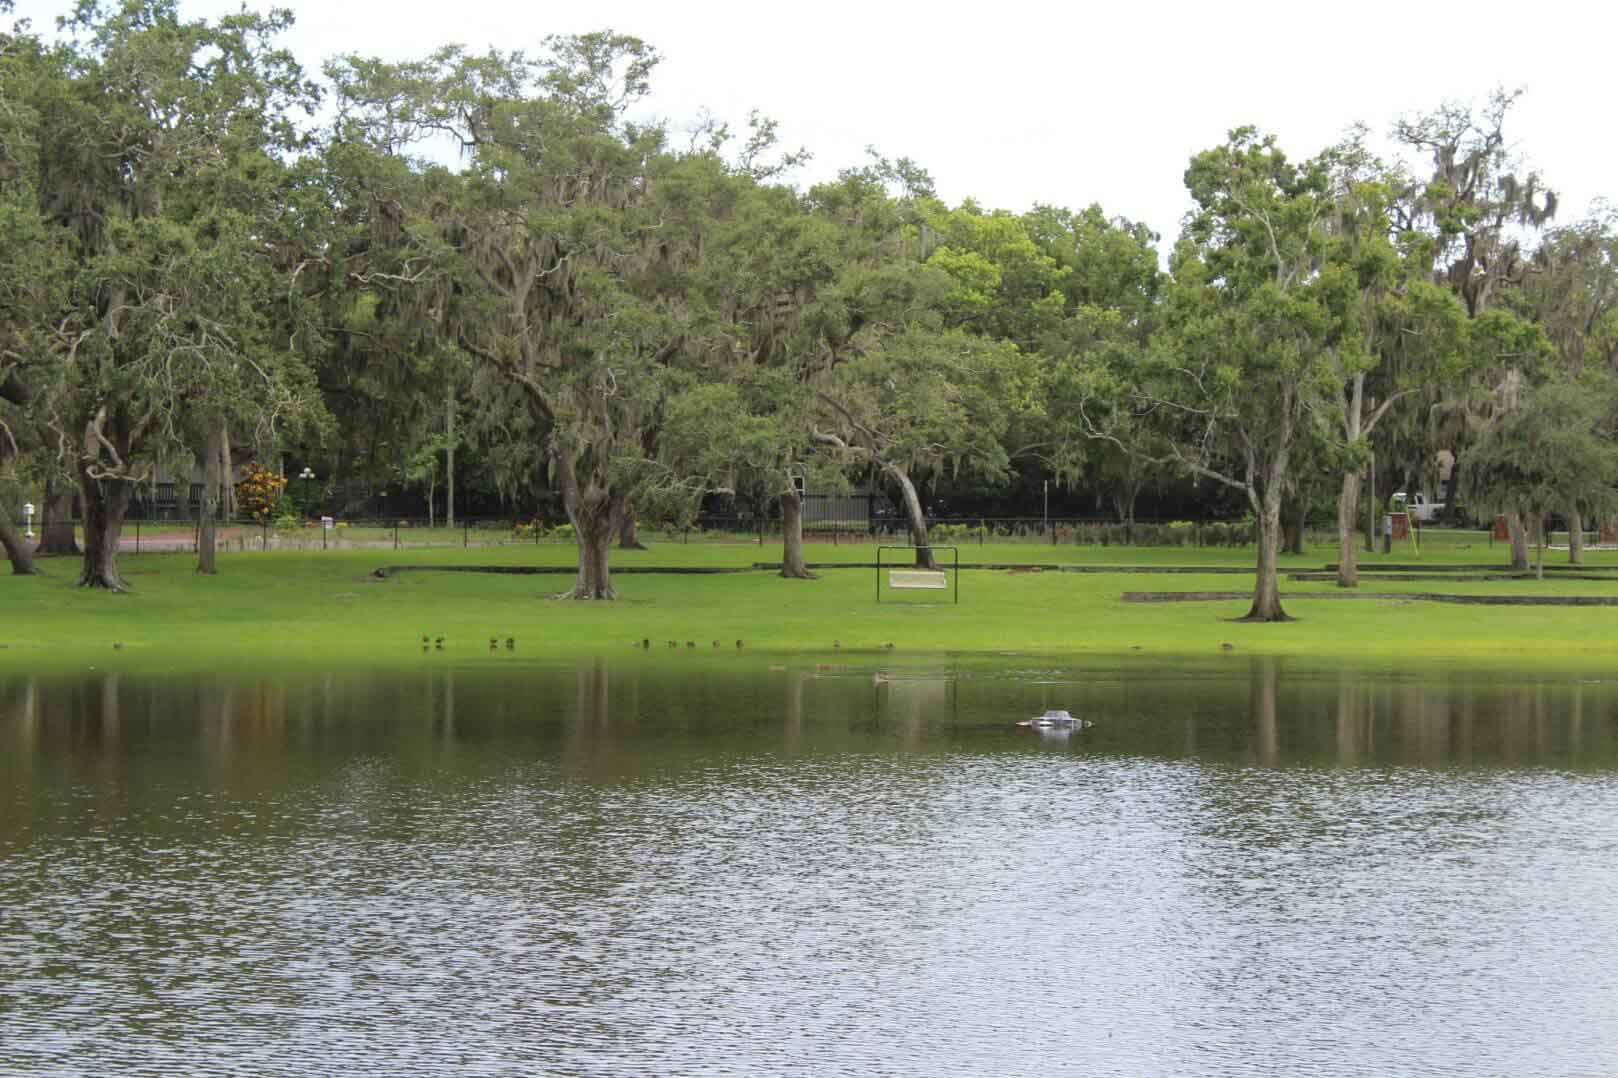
(1519, 542)
(213, 460)
(227, 484)
(104, 510)
(1539, 559)
(597, 516)
(1575, 537)
(792, 563)
(1125, 494)
(1348, 570)
(1371, 507)
(595, 529)
(1266, 587)
(16, 547)
(56, 520)
(1123, 500)
(1292, 529)
(913, 513)
(1452, 486)
(629, 534)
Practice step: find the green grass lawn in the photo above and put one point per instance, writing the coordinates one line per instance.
(315, 609)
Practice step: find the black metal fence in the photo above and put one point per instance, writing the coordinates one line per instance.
(161, 501)
(142, 535)
(832, 518)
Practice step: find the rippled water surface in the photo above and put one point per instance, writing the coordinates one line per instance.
(724, 868)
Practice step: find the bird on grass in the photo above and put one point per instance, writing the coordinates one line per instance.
(673, 644)
(439, 643)
(511, 643)
(646, 644)
(888, 645)
(738, 645)
(424, 640)
(690, 643)
(493, 643)
(117, 645)
(716, 643)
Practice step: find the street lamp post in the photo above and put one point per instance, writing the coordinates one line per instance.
(308, 476)
(28, 520)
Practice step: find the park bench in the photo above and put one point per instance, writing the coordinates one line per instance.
(930, 579)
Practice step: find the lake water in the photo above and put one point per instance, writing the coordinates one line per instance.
(702, 865)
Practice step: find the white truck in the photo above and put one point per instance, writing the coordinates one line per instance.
(1418, 506)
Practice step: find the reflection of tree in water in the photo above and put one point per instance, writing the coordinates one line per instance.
(1351, 726)
(1356, 719)
(1575, 725)
(85, 714)
(589, 735)
(1263, 676)
(1266, 711)
(220, 712)
(793, 709)
(909, 702)
(19, 727)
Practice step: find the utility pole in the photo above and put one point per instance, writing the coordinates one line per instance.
(1371, 509)
(449, 455)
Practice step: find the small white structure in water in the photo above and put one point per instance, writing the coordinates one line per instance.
(1055, 720)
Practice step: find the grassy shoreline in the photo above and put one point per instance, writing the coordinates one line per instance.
(324, 610)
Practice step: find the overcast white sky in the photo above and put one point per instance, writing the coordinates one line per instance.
(1013, 103)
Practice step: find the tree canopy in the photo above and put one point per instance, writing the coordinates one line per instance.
(496, 256)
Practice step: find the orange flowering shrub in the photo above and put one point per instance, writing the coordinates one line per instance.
(259, 492)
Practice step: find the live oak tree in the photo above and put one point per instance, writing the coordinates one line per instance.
(14, 394)
(1478, 203)
(860, 348)
(383, 350)
(1108, 289)
(155, 120)
(1476, 207)
(744, 437)
(1573, 293)
(265, 392)
(764, 271)
(899, 387)
(1573, 296)
(1555, 452)
(1245, 355)
(1400, 332)
(31, 289)
(884, 323)
(933, 400)
(573, 233)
